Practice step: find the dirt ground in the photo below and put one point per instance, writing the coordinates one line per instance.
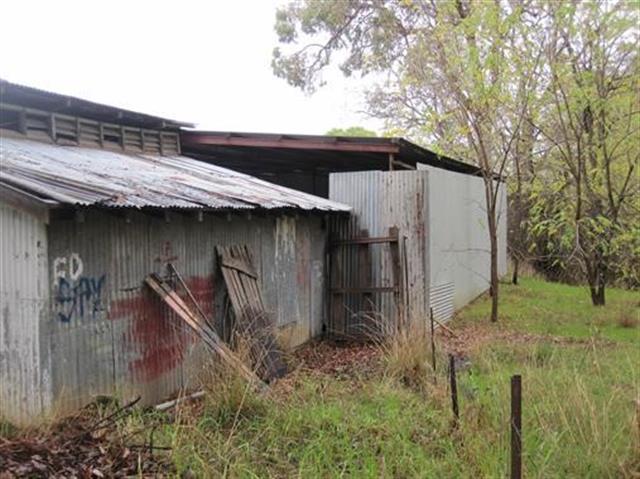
(337, 359)
(471, 338)
(87, 445)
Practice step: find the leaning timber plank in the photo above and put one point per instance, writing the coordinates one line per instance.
(445, 327)
(252, 319)
(200, 326)
(230, 279)
(255, 286)
(186, 288)
(238, 265)
(250, 288)
(210, 337)
(184, 312)
(242, 279)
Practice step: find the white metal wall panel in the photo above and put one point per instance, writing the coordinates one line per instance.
(459, 239)
(25, 390)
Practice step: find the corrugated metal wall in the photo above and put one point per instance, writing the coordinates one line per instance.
(441, 299)
(24, 371)
(459, 239)
(106, 334)
(381, 200)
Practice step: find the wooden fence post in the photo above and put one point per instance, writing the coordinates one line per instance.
(516, 427)
(454, 388)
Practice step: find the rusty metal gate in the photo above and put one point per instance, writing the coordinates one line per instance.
(379, 263)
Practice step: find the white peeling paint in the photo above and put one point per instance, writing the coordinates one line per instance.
(25, 391)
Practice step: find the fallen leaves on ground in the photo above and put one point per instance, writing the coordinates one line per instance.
(343, 360)
(87, 445)
(471, 338)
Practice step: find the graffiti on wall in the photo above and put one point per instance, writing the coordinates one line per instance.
(76, 295)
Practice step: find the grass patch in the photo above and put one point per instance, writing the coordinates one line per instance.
(556, 309)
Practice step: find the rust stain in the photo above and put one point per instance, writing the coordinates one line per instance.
(166, 254)
(155, 333)
(202, 289)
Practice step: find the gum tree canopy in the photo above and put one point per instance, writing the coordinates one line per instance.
(538, 88)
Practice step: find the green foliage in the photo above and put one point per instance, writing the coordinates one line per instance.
(561, 310)
(545, 93)
(582, 199)
(448, 70)
(352, 131)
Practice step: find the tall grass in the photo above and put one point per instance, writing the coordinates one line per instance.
(407, 357)
(578, 409)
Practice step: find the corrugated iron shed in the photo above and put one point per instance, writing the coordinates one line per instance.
(87, 176)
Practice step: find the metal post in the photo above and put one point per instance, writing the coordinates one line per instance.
(454, 388)
(516, 427)
(433, 344)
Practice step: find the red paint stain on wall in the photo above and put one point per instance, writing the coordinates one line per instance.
(202, 290)
(156, 335)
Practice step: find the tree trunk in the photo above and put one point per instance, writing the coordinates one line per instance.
(494, 281)
(597, 295)
(597, 287)
(493, 238)
(514, 277)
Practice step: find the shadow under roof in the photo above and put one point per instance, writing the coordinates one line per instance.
(273, 153)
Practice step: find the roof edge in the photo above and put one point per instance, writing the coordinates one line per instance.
(35, 96)
(355, 144)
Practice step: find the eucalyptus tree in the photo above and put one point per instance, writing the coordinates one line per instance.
(585, 197)
(446, 73)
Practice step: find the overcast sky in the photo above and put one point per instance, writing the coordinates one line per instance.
(206, 62)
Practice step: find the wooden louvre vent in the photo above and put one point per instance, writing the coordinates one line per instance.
(70, 130)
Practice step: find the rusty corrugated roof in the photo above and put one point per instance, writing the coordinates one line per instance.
(87, 176)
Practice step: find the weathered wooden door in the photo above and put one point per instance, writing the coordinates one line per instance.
(379, 255)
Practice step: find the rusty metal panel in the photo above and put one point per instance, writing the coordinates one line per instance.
(407, 207)
(285, 263)
(79, 332)
(110, 335)
(318, 237)
(381, 200)
(25, 389)
(88, 176)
